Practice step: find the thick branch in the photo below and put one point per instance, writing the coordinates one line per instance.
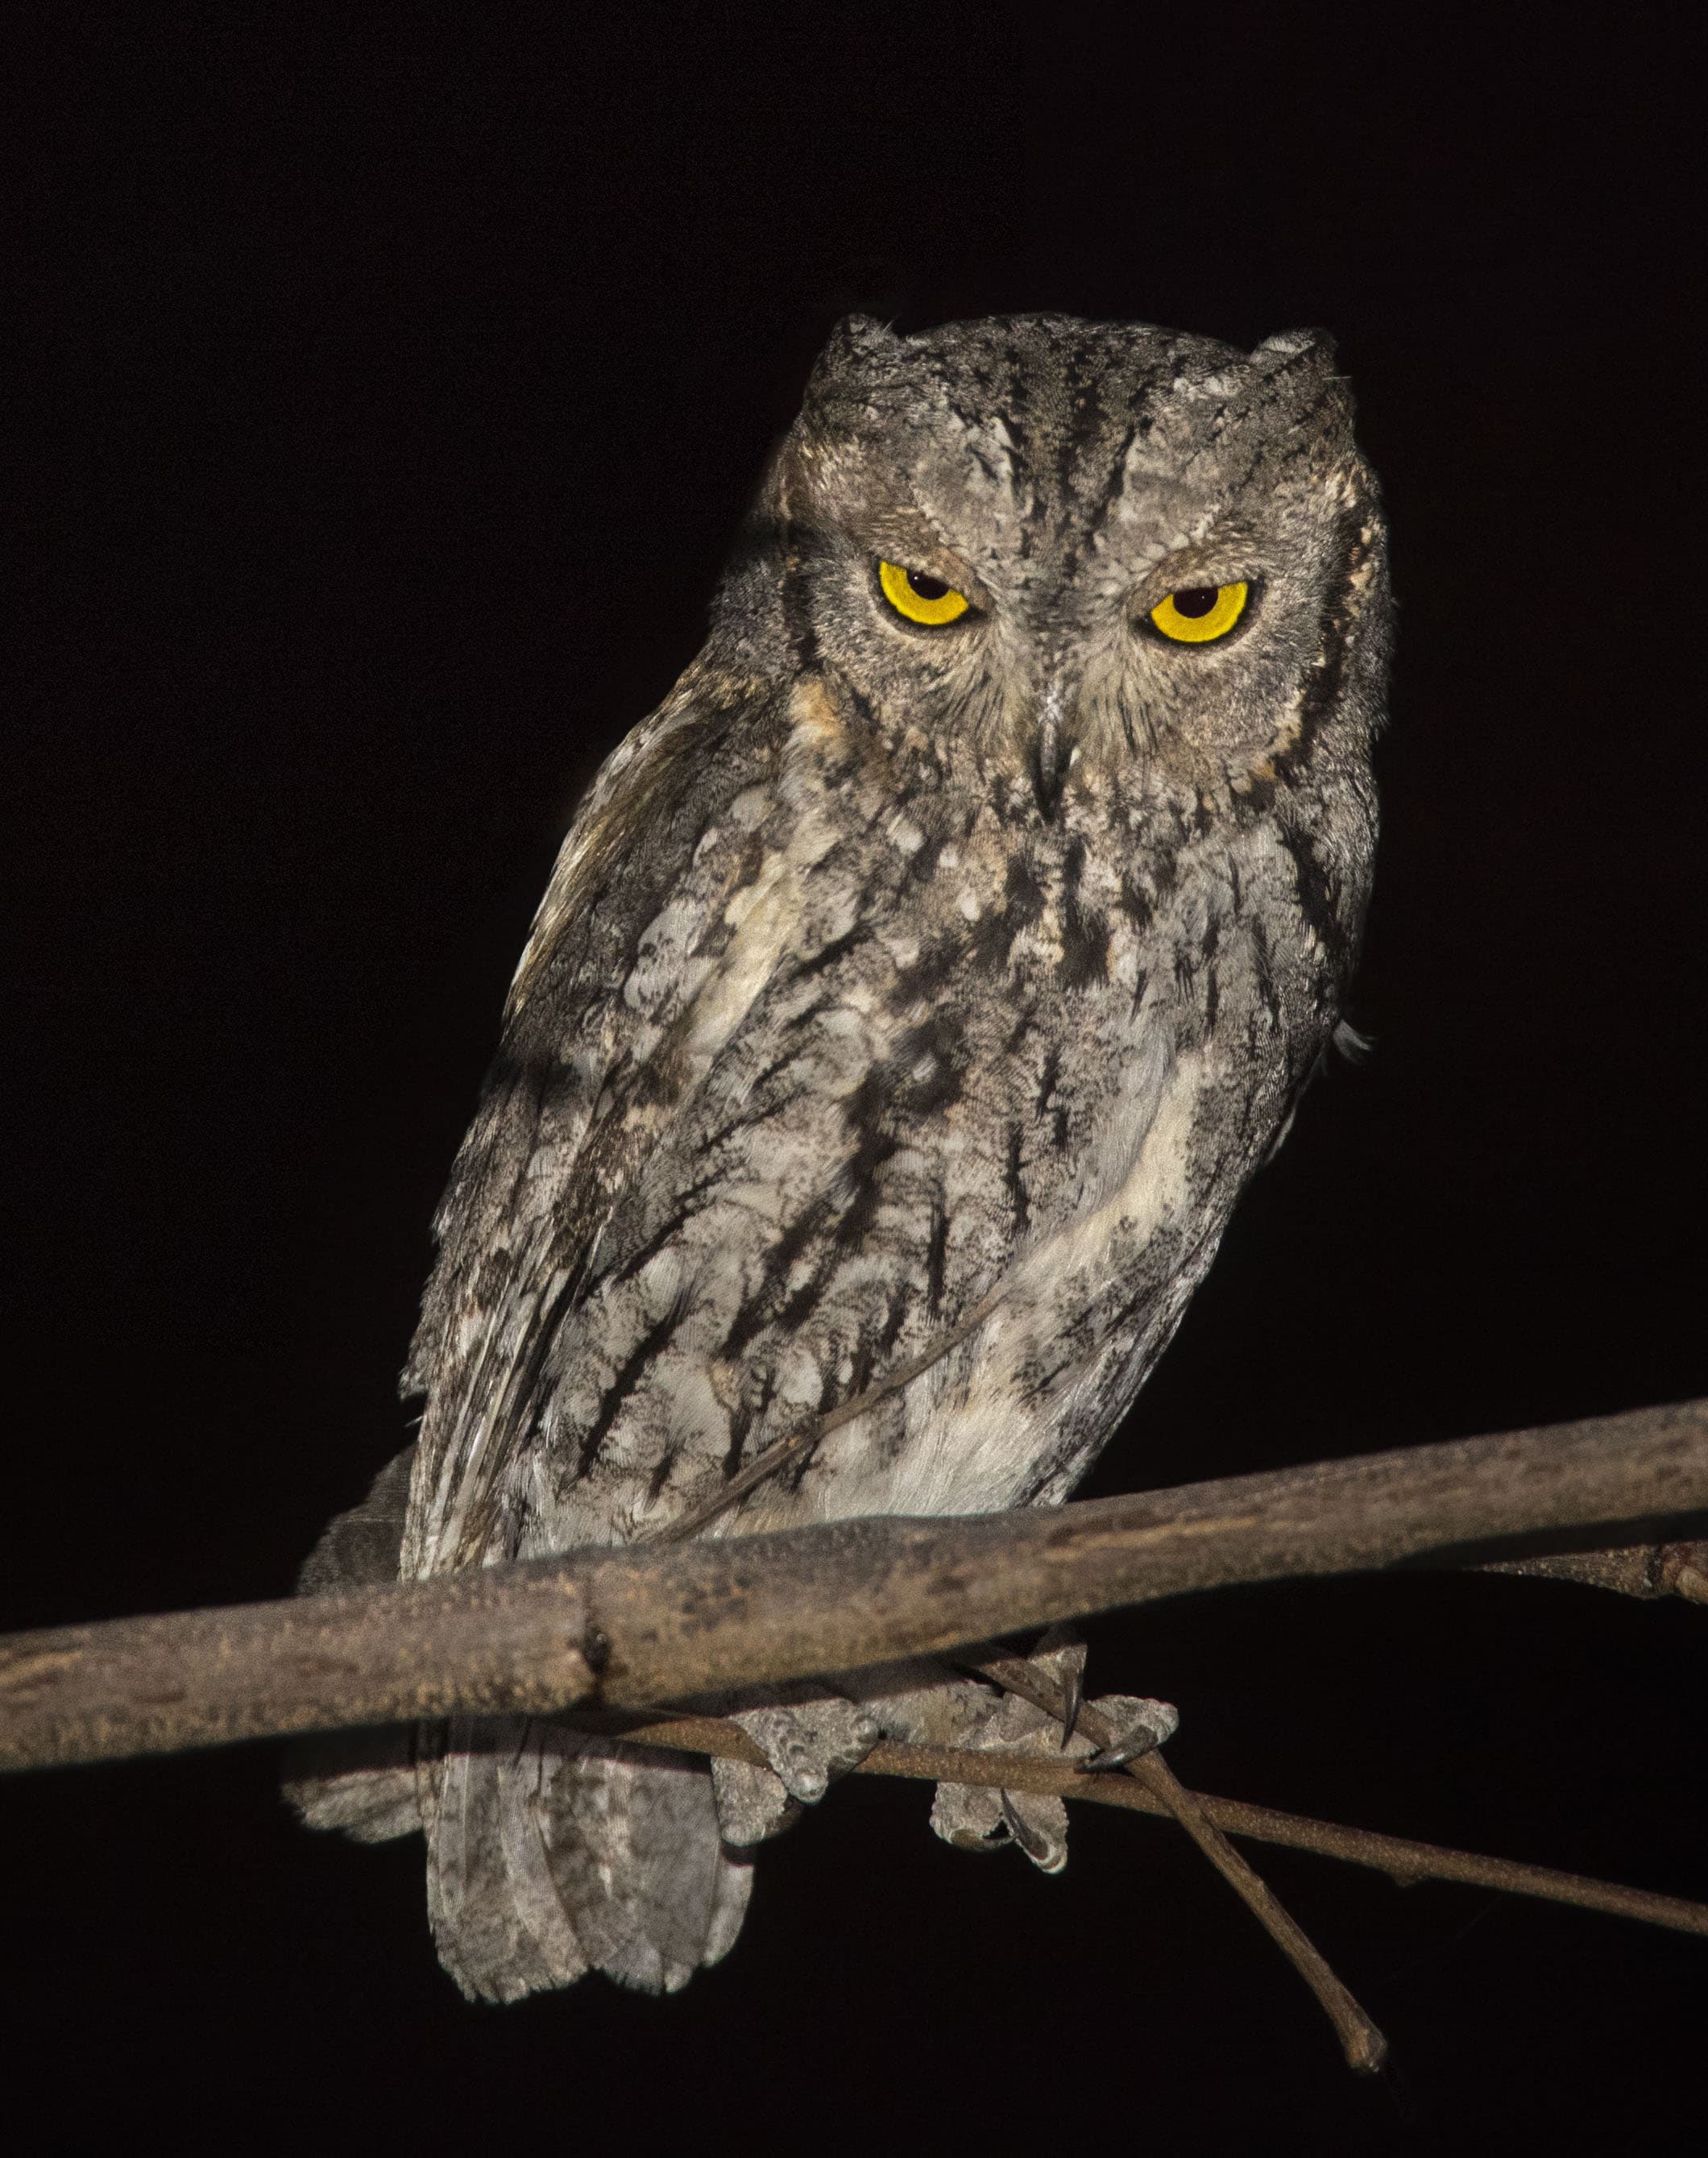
(639, 1627)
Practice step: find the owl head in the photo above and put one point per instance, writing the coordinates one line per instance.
(1079, 553)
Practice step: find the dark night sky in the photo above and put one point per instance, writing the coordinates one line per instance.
(388, 400)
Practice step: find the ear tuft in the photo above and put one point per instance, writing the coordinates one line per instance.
(1290, 344)
(854, 343)
(863, 331)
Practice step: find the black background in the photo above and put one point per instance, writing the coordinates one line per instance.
(389, 397)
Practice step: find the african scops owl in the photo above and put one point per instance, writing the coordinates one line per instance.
(916, 992)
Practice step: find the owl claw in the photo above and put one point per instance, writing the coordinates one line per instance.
(1155, 1724)
(1038, 1828)
(1073, 1695)
(1131, 1749)
(1034, 1846)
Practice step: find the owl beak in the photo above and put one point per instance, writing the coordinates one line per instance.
(1052, 747)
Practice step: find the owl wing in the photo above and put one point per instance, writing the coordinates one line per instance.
(593, 1060)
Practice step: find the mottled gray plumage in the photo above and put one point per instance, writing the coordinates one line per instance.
(898, 988)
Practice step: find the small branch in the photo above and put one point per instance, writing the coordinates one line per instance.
(1400, 1858)
(639, 1627)
(1649, 1571)
(1361, 2042)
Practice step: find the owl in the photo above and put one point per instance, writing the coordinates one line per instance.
(915, 994)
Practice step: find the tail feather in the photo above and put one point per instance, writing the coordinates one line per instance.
(551, 1853)
(496, 1922)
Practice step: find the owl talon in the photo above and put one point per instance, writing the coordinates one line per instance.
(1072, 1698)
(1155, 1724)
(1133, 1748)
(1038, 1828)
(1034, 1846)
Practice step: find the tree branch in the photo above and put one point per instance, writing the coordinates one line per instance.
(638, 1627)
(1361, 2042)
(1648, 1571)
(1400, 1857)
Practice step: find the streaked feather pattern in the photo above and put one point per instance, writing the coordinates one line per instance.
(895, 991)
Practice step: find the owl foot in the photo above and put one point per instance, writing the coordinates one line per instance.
(927, 1704)
(975, 1818)
(808, 1738)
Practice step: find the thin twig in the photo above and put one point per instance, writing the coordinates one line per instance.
(1361, 2042)
(1402, 1858)
(1648, 1571)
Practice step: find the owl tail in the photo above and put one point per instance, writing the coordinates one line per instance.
(550, 1853)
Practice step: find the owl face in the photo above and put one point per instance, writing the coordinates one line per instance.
(1075, 551)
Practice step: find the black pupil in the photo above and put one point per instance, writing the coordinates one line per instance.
(925, 588)
(1195, 604)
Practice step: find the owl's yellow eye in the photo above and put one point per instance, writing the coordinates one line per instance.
(919, 598)
(1199, 614)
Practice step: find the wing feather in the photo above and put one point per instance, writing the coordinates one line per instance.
(593, 1060)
